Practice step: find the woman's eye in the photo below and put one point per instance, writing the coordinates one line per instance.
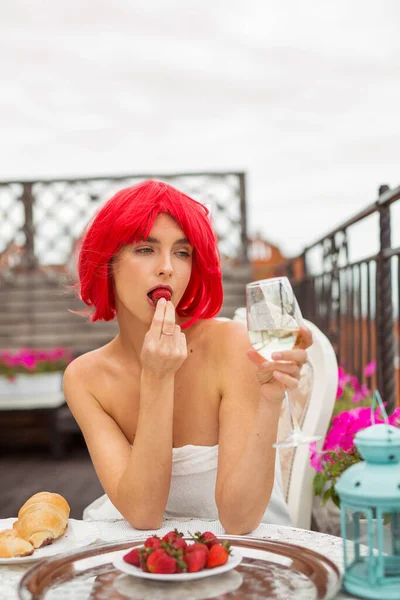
(144, 250)
(183, 254)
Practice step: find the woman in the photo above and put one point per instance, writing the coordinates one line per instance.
(177, 419)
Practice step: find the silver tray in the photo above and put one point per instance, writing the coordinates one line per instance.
(270, 569)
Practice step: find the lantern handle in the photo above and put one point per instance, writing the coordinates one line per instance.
(377, 399)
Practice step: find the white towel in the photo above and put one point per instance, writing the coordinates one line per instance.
(192, 491)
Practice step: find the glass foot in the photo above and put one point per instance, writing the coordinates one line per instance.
(296, 438)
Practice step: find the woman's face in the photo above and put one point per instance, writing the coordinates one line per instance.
(164, 259)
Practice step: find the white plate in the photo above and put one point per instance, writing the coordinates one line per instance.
(233, 561)
(78, 534)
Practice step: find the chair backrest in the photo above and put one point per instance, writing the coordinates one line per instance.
(313, 405)
(315, 419)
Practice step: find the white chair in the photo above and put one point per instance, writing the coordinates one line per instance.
(315, 419)
(313, 411)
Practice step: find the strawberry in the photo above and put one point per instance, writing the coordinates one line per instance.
(160, 561)
(218, 555)
(175, 539)
(144, 554)
(207, 538)
(178, 543)
(195, 556)
(196, 546)
(177, 553)
(160, 293)
(153, 542)
(133, 557)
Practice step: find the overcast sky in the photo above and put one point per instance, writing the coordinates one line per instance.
(302, 95)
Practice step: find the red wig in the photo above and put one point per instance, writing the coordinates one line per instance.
(128, 218)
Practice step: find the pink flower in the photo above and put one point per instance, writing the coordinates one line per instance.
(394, 418)
(315, 457)
(339, 390)
(28, 359)
(344, 378)
(32, 359)
(370, 368)
(344, 427)
(362, 393)
(354, 382)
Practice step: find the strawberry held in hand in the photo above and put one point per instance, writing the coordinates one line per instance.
(160, 293)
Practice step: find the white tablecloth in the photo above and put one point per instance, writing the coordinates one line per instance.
(327, 545)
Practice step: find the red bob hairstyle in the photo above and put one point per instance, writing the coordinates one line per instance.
(128, 218)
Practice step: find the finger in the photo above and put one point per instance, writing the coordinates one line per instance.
(256, 358)
(168, 327)
(265, 376)
(297, 356)
(182, 341)
(290, 368)
(177, 335)
(304, 338)
(289, 382)
(158, 318)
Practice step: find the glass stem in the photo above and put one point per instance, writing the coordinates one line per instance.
(293, 421)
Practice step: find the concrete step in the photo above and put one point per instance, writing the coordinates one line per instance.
(79, 343)
(78, 325)
(34, 294)
(32, 279)
(33, 305)
(54, 277)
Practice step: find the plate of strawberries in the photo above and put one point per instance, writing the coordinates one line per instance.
(174, 557)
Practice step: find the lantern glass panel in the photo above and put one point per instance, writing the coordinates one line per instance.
(391, 544)
(357, 548)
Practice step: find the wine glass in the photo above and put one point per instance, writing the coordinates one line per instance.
(273, 322)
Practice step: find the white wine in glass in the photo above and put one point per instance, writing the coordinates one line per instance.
(273, 321)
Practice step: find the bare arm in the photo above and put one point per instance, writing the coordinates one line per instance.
(136, 480)
(249, 416)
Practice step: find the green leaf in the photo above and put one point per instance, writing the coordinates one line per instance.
(319, 483)
(386, 518)
(335, 498)
(327, 494)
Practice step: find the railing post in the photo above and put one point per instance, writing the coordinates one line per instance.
(384, 301)
(302, 278)
(243, 215)
(29, 251)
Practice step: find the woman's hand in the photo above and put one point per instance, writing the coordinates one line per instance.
(283, 372)
(164, 348)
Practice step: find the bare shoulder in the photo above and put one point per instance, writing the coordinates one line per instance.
(85, 370)
(226, 337)
(82, 366)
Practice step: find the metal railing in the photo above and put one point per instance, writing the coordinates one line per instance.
(40, 221)
(355, 302)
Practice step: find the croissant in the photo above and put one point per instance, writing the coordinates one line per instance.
(12, 546)
(42, 519)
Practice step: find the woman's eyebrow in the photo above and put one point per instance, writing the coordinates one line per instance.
(153, 240)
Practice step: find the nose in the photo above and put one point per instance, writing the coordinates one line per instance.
(165, 265)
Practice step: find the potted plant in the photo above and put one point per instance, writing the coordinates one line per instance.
(32, 371)
(352, 413)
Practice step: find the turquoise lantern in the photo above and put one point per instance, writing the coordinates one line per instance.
(369, 493)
